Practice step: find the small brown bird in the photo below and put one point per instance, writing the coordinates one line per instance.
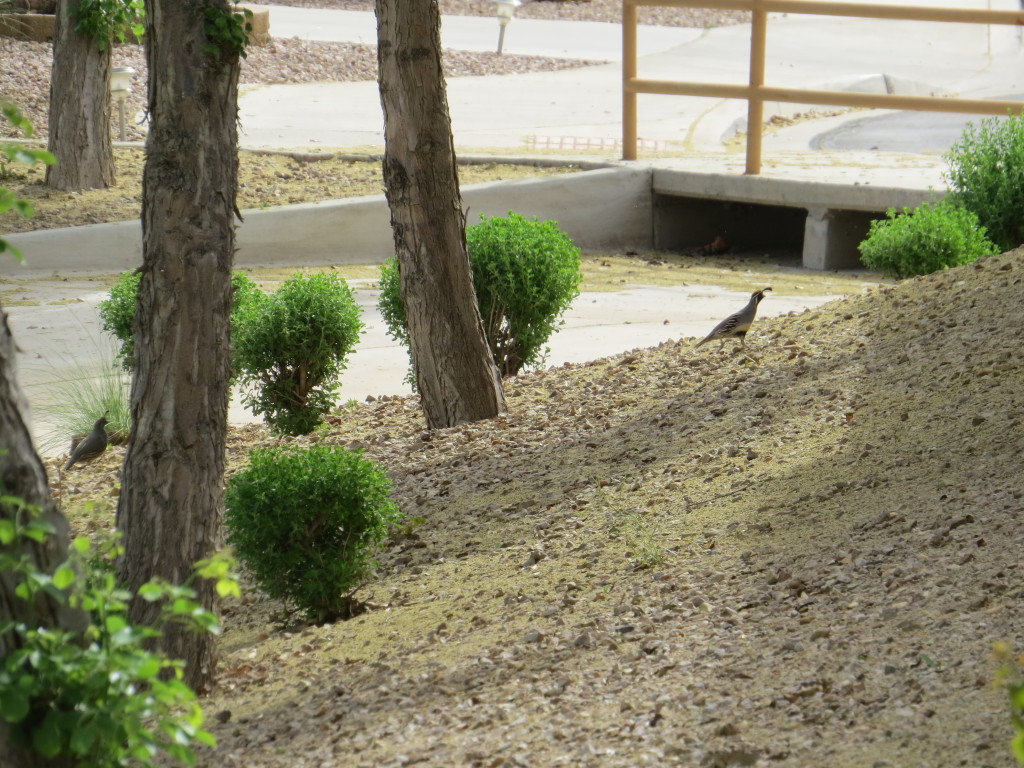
(92, 445)
(737, 325)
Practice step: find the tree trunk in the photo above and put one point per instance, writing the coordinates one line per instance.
(455, 374)
(23, 475)
(171, 506)
(79, 123)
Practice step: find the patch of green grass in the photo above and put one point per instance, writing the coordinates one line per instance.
(643, 548)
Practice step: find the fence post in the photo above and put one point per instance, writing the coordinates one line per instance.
(629, 97)
(755, 105)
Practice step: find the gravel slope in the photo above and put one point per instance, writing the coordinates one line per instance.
(679, 557)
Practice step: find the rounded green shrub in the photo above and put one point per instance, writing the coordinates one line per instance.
(118, 312)
(986, 176)
(925, 239)
(306, 523)
(526, 274)
(290, 349)
(390, 303)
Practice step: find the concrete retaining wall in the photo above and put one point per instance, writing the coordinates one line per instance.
(826, 221)
(601, 210)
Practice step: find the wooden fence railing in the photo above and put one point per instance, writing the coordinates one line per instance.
(756, 93)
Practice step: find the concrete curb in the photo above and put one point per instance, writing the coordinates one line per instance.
(603, 209)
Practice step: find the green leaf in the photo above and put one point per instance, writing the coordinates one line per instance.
(6, 247)
(83, 736)
(13, 706)
(149, 667)
(152, 591)
(1017, 747)
(1017, 697)
(7, 532)
(226, 587)
(205, 737)
(64, 576)
(40, 527)
(116, 624)
(46, 739)
(81, 544)
(185, 607)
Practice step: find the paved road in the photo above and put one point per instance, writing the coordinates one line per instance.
(902, 131)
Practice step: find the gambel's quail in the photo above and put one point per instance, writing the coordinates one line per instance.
(92, 445)
(737, 325)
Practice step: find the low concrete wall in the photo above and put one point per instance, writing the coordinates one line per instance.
(792, 193)
(827, 221)
(601, 210)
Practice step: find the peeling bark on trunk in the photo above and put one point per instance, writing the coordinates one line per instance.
(456, 376)
(171, 507)
(79, 122)
(23, 475)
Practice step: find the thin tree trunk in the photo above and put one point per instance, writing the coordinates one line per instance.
(23, 476)
(455, 374)
(171, 506)
(79, 122)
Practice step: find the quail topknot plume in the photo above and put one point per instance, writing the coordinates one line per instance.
(737, 325)
(92, 445)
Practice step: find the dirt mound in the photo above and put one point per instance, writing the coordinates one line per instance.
(796, 557)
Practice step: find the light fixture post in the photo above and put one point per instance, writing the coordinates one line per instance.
(505, 10)
(120, 87)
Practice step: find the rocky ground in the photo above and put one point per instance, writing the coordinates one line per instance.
(673, 556)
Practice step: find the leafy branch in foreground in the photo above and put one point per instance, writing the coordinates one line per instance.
(99, 696)
(21, 155)
(1011, 677)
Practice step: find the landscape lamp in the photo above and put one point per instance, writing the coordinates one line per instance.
(505, 9)
(120, 87)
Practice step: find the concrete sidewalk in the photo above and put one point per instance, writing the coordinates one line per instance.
(61, 341)
(582, 107)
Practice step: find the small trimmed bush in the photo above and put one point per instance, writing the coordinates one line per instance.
(290, 349)
(306, 522)
(526, 273)
(986, 176)
(118, 312)
(925, 239)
